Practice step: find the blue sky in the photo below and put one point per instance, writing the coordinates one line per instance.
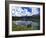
(28, 9)
(25, 11)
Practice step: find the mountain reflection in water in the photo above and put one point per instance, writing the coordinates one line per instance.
(34, 24)
(22, 22)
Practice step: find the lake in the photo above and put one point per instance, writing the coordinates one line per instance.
(35, 23)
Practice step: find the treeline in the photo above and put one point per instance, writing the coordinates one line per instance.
(26, 18)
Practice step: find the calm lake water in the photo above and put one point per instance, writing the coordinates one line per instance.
(34, 24)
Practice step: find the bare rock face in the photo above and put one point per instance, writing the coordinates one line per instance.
(22, 22)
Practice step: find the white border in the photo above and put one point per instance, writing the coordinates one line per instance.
(25, 32)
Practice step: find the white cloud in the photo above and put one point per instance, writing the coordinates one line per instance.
(20, 12)
(35, 11)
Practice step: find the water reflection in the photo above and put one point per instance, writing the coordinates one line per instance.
(23, 22)
(34, 24)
